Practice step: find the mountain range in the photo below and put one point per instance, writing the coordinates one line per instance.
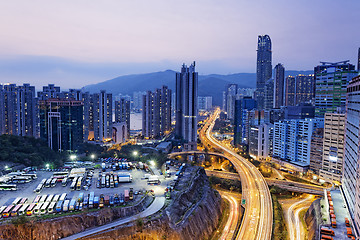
(209, 85)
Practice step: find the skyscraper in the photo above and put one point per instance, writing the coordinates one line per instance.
(263, 68)
(358, 66)
(241, 105)
(350, 179)
(2, 110)
(230, 97)
(305, 86)
(316, 150)
(269, 94)
(331, 81)
(279, 86)
(290, 90)
(186, 105)
(61, 123)
(122, 113)
(205, 103)
(101, 116)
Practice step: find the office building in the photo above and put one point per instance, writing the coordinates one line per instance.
(331, 81)
(245, 92)
(305, 89)
(242, 106)
(350, 179)
(100, 117)
(292, 140)
(269, 94)
(333, 147)
(186, 106)
(61, 123)
(279, 86)
(122, 113)
(230, 97)
(301, 111)
(290, 91)
(261, 141)
(316, 151)
(263, 68)
(205, 103)
(156, 120)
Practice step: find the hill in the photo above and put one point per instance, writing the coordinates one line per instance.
(209, 85)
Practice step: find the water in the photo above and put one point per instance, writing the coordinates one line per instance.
(136, 121)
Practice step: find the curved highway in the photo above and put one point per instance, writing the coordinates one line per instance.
(258, 216)
(232, 221)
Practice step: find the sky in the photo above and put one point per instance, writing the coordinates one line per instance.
(75, 43)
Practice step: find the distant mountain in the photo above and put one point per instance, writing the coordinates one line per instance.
(209, 85)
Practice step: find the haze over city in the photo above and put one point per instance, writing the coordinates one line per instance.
(73, 44)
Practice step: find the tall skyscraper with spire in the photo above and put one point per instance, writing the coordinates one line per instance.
(186, 106)
(263, 68)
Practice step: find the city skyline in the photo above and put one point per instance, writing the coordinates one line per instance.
(96, 41)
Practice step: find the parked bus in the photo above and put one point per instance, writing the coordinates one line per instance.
(64, 181)
(8, 187)
(43, 198)
(48, 182)
(56, 198)
(23, 201)
(15, 210)
(53, 182)
(23, 208)
(40, 186)
(72, 205)
(37, 208)
(63, 197)
(91, 200)
(44, 207)
(96, 202)
(73, 184)
(51, 207)
(81, 197)
(37, 199)
(7, 211)
(78, 183)
(49, 198)
(126, 195)
(16, 201)
(59, 206)
(2, 209)
(32, 175)
(327, 231)
(60, 175)
(30, 209)
(66, 206)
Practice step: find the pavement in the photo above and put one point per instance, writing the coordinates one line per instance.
(156, 205)
(341, 213)
(258, 217)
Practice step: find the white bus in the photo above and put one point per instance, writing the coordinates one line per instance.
(44, 207)
(43, 198)
(16, 201)
(23, 209)
(37, 208)
(51, 207)
(66, 206)
(63, 197)
(48, 182)
(64, 181)
(49, 198)
(56, 198)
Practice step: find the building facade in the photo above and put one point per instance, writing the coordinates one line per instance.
(331, 81)
(186, 105)
(269, 94)
(263, 68)
(279, 86)
(305, 89)
(205, 103)
(333, 147)
(241, 121)
(122, 113)
(316, 151)
(290, 91)
(230, 97)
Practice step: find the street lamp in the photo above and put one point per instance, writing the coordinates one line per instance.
(6, 167)
(92, 156)
(152, 162)
(135, 153)
(47, 166)
(72, 157)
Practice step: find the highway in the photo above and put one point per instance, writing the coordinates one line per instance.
(294, 223)
(232, 221)
(157, 204)
(258, 216)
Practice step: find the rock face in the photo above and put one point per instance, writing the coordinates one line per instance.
(65, 226)
(194, 214)
(313, 219)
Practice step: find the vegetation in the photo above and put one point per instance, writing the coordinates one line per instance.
(19, 220)
(282, 193)
(297, 179)
(28, 151)
(279, 227)
(228, 184)
(222, 222)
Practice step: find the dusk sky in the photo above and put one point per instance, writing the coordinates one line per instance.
(75, 43)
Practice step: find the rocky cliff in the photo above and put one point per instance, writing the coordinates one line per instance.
(313, 219)
(193, 214)
(65, 226)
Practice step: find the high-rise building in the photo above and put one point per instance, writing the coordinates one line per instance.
(205, 103)
(240, 121)
(290, 91)
(331, 81)
(279, 86)
(333, 147)
(358, 60)
(292, 140)
(156, 120)
(50, 91)
(137, 100)
(186, 105)
(305, 89)
(263, 68)
(122, 113)
(301, 111)
(230, 97)
(61, 123)
(350, 178)
(316, 150)
(269, 94)
(260, 141)
(2, 110)
(100, 117)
